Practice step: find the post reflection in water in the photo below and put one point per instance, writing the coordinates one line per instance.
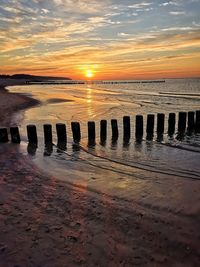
(31, 149)
(91, 143)
(138, 145)
(48, 149)
(149, 145)
(159, 138)
(75, 151)
(114, 143)
(102, 142)
(149, 137)
(180, 136)
(126, 143)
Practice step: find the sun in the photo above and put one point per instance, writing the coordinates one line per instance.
(89, 73)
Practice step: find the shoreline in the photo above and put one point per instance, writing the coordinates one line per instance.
(49, 223)
(17, 102)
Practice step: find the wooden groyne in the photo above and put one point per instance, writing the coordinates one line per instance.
(188, 122)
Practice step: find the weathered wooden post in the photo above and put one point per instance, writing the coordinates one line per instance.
(76, 131)
(150, 126)
(191, 122)
(103, 130)
(115, 131)
(48, 138)
(61, 133)
(91, 132)
(15, 137)
(197, 121)
(32, 134)
(126, 127)
(171, 123)
(182, 121)
(139, 126)
(160, 123)
(3, 135)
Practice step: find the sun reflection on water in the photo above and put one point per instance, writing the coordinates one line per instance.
(89, 96)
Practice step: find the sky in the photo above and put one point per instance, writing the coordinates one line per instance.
(107, 39)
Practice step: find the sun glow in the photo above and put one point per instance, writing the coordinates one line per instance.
(89, 73)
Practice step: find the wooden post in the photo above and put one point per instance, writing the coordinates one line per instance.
(61, 133)
(191, 122)
(150, 124)
(197, 121)
(139, 126)
(182, 121)
(115, 132)
(15, 137)
(103, 130)
(3, 135)
(91, 132)
(171, 123)
(48, 139)
(76, 131)
(160, 123)
(32, 134)
(126, 127)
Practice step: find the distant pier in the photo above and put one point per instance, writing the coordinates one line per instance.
(71, 82)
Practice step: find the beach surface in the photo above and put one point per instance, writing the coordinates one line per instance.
(12, 102)
(47, 222)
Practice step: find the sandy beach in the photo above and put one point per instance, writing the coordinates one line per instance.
(11, 102)
(48, 223)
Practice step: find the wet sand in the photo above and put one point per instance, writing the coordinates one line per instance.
(46, 222)
(12, 102)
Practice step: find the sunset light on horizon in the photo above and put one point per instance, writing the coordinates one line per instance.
(108, 39)
(89, 74)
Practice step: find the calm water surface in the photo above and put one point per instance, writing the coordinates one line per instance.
(116, 168)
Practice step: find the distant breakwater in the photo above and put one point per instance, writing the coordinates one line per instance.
(92, 82)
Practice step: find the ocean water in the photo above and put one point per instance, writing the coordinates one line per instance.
(117, 168)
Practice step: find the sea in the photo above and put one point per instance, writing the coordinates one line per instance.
(118, 168)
